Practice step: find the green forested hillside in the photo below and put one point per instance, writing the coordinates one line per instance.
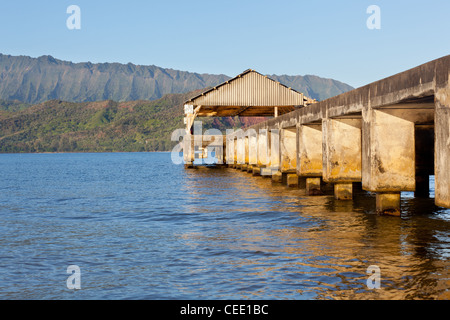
(107, 126)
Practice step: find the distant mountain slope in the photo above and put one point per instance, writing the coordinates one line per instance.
(35, 80)
(313, 86)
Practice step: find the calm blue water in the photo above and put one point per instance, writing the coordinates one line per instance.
(140, 227)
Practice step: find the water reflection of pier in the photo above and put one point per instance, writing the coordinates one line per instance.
(321, 240)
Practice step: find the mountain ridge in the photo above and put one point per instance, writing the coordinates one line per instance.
(51, 105)
(35, 80)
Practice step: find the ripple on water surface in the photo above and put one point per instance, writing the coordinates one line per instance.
(140, 227)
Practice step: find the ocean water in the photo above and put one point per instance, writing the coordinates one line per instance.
(140, 227)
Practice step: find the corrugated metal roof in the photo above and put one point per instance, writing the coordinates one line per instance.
(248, 94)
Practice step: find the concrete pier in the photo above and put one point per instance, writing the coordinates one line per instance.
(288, 150)
(342, 154)
(310, 159)
(343, 191)
(387, 137)
(292, 180)
(313, 186)
(263, 146)
(266, 172)
(277, 177)
(388, 203)
(388, 154)
(442, 132)
(252, 148)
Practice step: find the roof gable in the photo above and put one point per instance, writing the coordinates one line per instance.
(250, 93)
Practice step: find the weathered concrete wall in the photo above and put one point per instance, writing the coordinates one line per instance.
(388, 158)
(442, 134)
(263, 148)
(309, 141)
(442, 154)
(188, 149)
(227, 152)
(288, 149)
(341, 150)
(274, 150)
(252, 147)
(231, 157)
(292, 180)
(240, 150)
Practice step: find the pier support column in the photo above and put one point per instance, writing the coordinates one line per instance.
(274, 150)
(263, 148)
(313, 186)
(230, 152)
(252, 148)
(277, 177)
(292, 180)
(288, 150)
(310, 162)
(240, 151)
(342, 154)
(265, 172)
(442, 134)
(188, 151)
(218, 148)
(256, 171)
(388, 161)
(246, 145)
(388, 203)
(343, 191)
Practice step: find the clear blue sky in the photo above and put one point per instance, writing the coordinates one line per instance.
(325, 38)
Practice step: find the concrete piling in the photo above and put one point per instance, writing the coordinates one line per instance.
(343, 191)
(313, 186)
(277, 177)
(388, 203)
(292, 180)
